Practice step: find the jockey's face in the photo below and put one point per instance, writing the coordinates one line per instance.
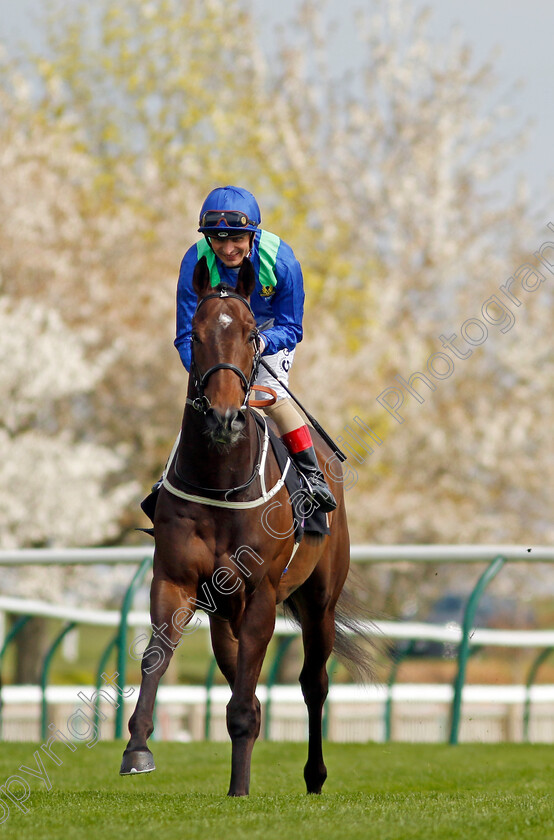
(232, 249)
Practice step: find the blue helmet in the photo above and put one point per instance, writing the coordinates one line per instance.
(229, 211)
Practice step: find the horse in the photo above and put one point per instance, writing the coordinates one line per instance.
(224, 541)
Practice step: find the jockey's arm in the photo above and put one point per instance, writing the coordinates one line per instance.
(186, 305)
(287, 308)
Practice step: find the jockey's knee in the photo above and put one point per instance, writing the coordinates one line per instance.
(285, 415)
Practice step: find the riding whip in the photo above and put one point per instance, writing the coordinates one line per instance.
(327, 438)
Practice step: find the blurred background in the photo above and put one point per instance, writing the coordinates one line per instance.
(402, 149)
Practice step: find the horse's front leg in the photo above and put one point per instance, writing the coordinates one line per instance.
(243, 710)
(225, 648)
(170, 612)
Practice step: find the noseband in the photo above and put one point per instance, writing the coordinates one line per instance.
(201, 402)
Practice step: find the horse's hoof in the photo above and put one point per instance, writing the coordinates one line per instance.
(137, 761)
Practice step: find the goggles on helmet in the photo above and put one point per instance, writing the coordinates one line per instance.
(225, 218)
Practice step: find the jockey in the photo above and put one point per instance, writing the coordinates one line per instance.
(230, 219)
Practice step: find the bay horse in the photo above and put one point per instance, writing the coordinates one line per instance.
(216, 550)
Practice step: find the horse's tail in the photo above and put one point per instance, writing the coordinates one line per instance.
(354, 644)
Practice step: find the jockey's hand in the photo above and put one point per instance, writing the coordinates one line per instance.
(262, 344)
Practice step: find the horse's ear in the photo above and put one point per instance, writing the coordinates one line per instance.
(246, 279)
(201, 277)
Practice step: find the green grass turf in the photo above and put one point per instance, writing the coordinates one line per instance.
(382, 791)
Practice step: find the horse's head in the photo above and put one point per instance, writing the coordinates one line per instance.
(225, 352)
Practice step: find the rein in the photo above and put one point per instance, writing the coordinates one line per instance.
(266, 494)
(229, 490)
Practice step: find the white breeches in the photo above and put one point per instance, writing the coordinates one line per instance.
(281, 363)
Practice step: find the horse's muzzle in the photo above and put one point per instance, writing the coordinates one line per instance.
(225, 429)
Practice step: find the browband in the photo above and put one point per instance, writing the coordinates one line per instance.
(225, 292)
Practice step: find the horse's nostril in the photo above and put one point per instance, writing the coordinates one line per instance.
(234, 420)
(213, 419)
(225, 425)
(238, 422)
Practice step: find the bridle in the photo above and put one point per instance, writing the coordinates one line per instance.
(201, 402)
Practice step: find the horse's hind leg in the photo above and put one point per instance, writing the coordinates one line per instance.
(318, 635)
(168, 606)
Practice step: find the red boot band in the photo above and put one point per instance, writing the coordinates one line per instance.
(298, 440)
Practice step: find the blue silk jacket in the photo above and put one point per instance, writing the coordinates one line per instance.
(278, 294)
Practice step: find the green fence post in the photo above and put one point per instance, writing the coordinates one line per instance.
(542, 657)
(45, 673)
(17, 626)
(122, 640)
(104, 659)
(463, 650)
(397, 662)
(282, 647)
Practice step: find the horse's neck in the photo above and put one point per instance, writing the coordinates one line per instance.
(198, 461)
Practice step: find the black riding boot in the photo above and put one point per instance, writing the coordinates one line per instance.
(306, 462)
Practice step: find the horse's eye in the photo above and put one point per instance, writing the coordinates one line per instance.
(252, 335)
(194, 337)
